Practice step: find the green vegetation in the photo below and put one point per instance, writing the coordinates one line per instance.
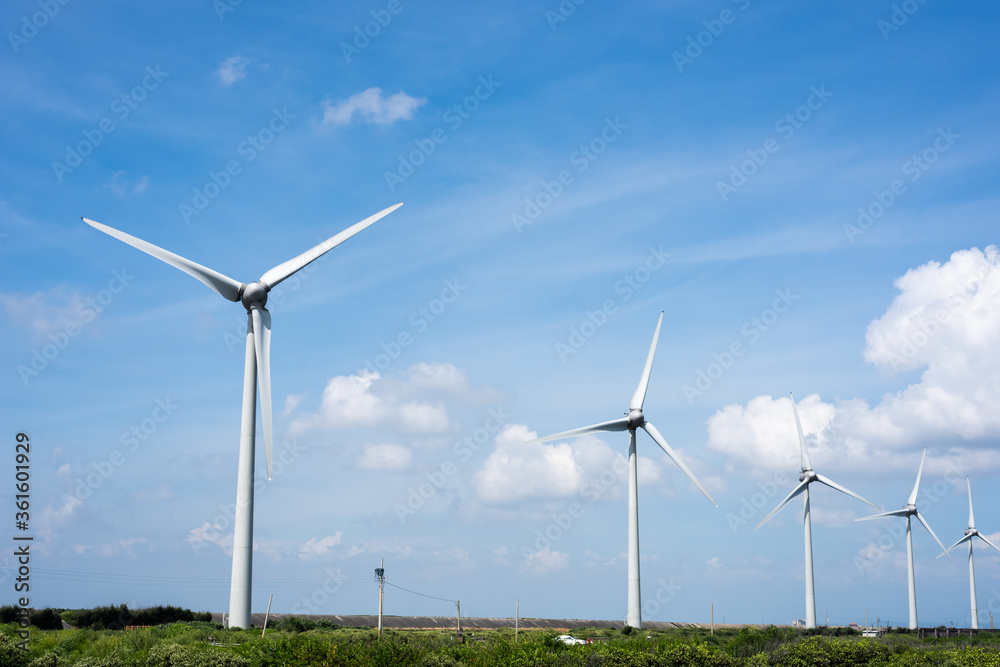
(298, 641)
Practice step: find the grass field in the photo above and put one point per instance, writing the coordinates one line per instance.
(300, 642)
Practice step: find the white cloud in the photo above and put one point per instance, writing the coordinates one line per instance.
(359, 400)
(210, 533)
(519, 471)
(444, 380)
(500, 556)
(372, 107)
(47, 312)
(232, 70)
(391, 458)
(544, 562)
(454, 558)
(122, 187)
(944, 320)
(320, 546)
(292, 402)
(115, 548)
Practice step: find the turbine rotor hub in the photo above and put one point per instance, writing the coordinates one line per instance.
(635, 419)
(253, 295)
(807, 475)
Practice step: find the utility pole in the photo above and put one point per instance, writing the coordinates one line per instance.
(713, 618)
(458, 611)
(866, 618)
(380, 575)
(268, 613)
(517, 616)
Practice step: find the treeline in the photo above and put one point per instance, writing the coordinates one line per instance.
(102, 618)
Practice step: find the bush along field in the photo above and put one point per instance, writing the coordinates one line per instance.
(296, 641)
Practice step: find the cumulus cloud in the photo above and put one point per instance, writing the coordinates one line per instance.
(518, 471)
(209, 533)
(945, 321)
(292, 402)
(320, 546)
(372, 107)
(391, 458)
(444, 380)
(232, 70)
(361, 401)
(544, 562)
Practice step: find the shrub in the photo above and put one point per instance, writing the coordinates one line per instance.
(46, 619)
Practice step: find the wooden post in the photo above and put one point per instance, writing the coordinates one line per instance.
(268, 613)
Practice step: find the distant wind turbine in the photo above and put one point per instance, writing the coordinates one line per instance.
(807, 477)
(970, 533)
(253, 296)
(910, 509)
(633, 420)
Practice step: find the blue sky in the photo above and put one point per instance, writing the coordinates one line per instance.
(807, 192)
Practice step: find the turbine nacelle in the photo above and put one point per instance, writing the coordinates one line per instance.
(807, 476)
(635, 419)
(254, 295)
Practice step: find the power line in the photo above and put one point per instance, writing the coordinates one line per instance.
(420, 594)
(151, 580)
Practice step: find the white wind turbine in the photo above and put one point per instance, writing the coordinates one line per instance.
(971, 532)
(807, 477)
(253, 296)
(633, 420)
(910, 509)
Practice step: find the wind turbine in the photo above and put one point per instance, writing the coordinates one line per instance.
(807, 477)
(910, 509)
(633, 420)
(971, 532)
(253, 296)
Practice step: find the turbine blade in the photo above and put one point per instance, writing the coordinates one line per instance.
(902, 512)
(655, 435)
(796, 491)
(806, 465)
(286, 269)
(262, 344)
(639, 397)
(833, 485)
(224, 285)
(987, 542)
(913, 494)
(928, 527)
(964, 539)
(972, 520)
(613, 425)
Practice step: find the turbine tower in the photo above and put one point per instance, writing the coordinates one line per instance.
(633, 420)
(807, 477)
(910, 509)
(969, 534)
(253, 296)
